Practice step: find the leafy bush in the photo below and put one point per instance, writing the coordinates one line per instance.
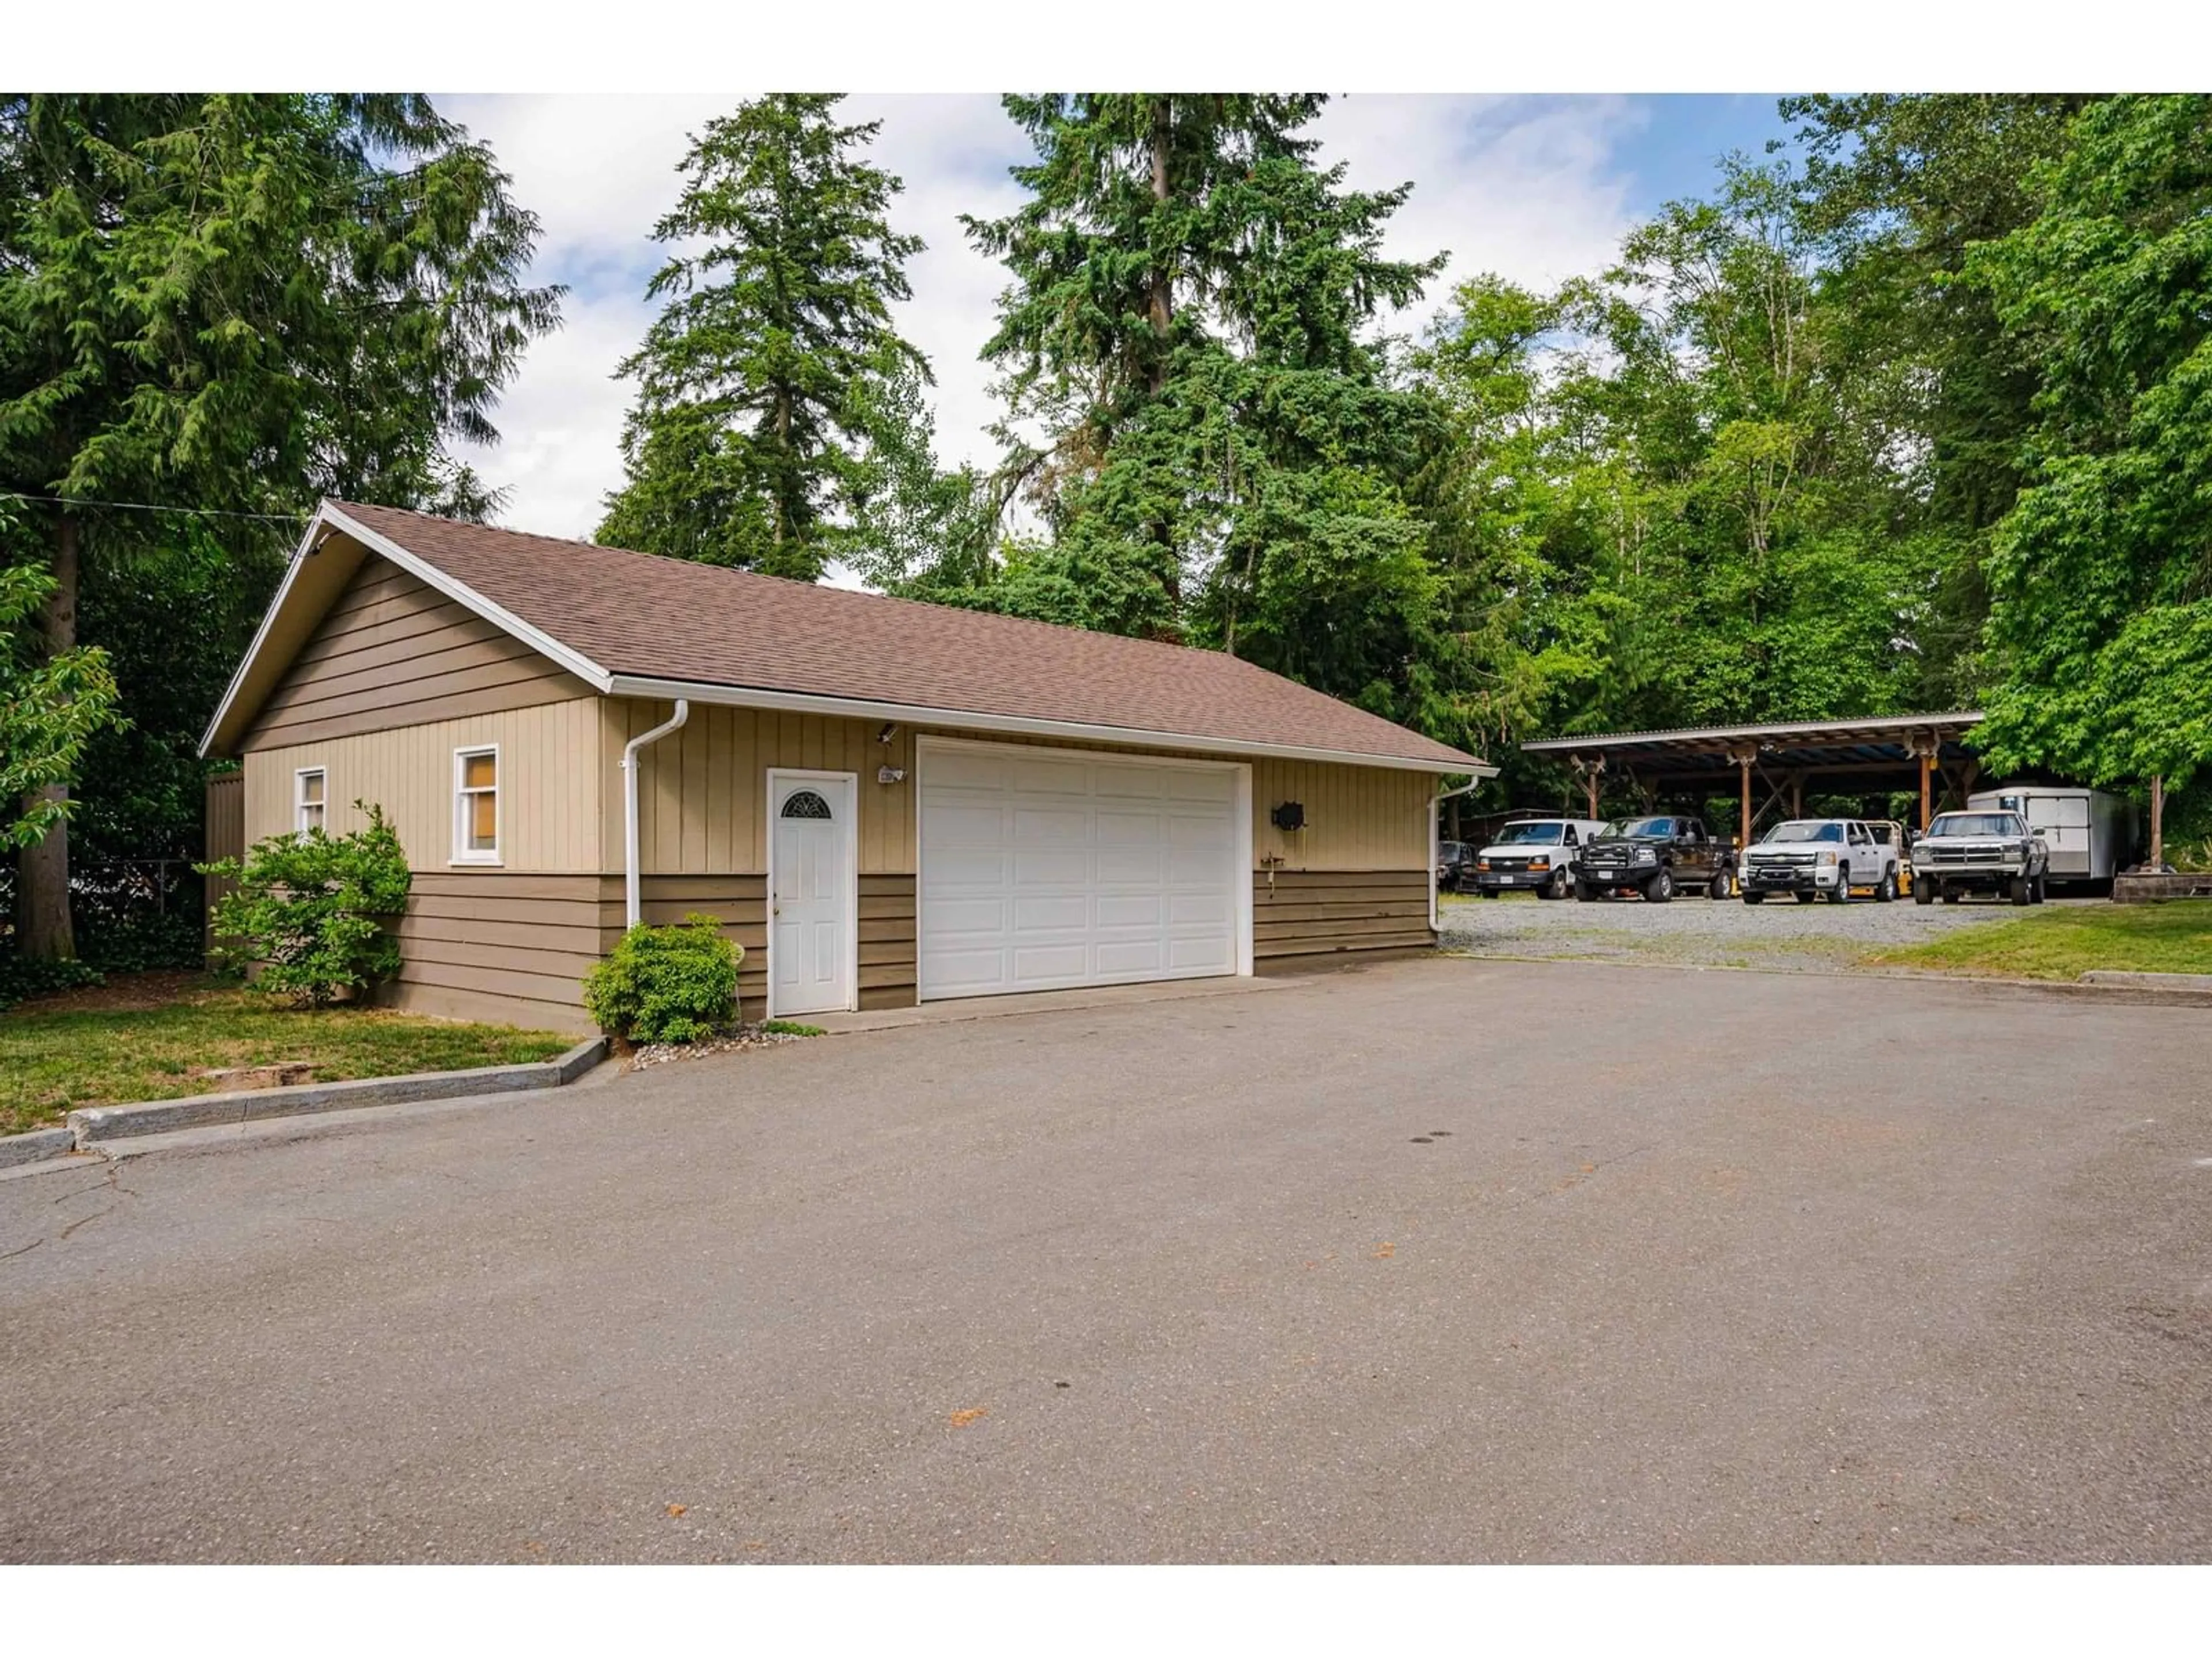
(134, 945)
(666, 984)
(22, 977)
(307, 911)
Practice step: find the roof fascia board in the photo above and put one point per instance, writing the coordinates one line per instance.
(328, 518)
(1964, 717)
(628, 685)
(462, 594)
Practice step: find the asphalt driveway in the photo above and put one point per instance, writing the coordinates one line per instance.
(1443, 1260)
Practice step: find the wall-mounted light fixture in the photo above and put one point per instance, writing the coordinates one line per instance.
(890, 775)
(890, 731)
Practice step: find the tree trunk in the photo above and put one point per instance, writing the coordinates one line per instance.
(1162, 282)
(1161, 310)
(42, 907)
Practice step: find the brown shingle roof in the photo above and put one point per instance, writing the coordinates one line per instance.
(637, 615)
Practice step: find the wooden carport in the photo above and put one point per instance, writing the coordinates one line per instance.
(1885, 753)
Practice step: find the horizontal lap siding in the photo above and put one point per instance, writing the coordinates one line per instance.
(1307, 914)
(394, 653)
(492, 946)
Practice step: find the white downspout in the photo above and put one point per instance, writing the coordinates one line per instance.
(1435, 801)
(634, 909)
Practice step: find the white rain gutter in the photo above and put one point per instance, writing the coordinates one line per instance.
(635, 908)
(1435, 801)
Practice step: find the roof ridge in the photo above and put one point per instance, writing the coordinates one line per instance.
(822, 587)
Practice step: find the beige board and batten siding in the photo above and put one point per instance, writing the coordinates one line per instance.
(1355, 879)
(550, 784)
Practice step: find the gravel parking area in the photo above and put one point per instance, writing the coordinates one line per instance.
(1780, 934)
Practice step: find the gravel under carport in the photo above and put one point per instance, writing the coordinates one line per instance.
(1441, 1261)
(1780, 934)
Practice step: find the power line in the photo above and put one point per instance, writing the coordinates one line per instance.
(148, 506)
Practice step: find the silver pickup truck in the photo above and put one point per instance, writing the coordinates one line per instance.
(1980, 852)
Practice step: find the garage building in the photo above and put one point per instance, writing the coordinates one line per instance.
(882, 801)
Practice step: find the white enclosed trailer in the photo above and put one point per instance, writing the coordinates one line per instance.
(2091, 834)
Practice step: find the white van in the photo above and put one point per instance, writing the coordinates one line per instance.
(1533, 853)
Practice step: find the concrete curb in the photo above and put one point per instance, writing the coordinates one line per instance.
(2198, 985)
(35, 1147)
(91, 1125)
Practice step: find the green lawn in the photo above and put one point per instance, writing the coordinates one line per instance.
(2065, 942)
(52, 1061)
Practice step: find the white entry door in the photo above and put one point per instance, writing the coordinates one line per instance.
(813, 905)
(1043, 869)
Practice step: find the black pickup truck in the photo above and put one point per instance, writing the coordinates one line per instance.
(1657, 857)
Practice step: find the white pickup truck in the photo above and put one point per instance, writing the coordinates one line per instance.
(1533, 855)
(1820, 858)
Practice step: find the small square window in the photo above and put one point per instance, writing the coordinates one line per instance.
(476, 806)
(310, 803)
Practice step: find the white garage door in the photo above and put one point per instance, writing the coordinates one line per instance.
(1040, 871)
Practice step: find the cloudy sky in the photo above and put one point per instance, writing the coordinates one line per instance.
(1535, 188)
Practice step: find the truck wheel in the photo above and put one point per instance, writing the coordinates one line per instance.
(1886, 893)
(1755, 898)
(1841, 895)
(1584, 893)
(1661, 887)
(1557, 888)
(2042, 890)
(1723, 885)
(1923, 892)
(2023, 889)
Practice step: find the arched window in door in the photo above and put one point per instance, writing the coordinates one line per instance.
(806, 804)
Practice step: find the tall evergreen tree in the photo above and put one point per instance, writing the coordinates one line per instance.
(776, 403)
(1214, 447)
(233, 305)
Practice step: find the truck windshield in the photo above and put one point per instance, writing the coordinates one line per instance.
(1807, 832)
(1640, 829)
(1529, 834)
(1975, 824)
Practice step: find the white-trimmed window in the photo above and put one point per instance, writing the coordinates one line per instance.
(310, 799)
(476, 805)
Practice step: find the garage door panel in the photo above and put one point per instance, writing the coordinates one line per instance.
(1145, 910)
(946, 917)
(1047, 777)
(1118, 828)
(1130, 959)
(1071, 868)
(1200, 956)
(1047, 872)
(1053, 826)
(1039, 913)
(978, 769)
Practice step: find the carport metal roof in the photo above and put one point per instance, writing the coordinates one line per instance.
(1884, 752)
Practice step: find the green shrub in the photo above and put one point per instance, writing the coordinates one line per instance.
(666, 984)
(308, 909)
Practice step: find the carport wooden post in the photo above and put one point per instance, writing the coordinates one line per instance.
(1927, 801)
(1743, 759)
(2158, 821)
